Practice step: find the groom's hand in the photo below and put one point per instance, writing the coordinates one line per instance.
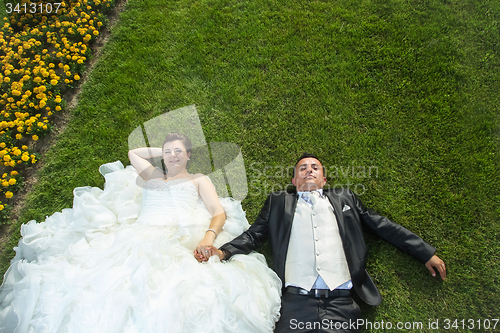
(216, 252)
(209, 251)
(436, 263)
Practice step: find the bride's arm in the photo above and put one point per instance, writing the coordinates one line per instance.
(211, 200)
(138, 158)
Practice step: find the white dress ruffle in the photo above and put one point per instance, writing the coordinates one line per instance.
(118, 263)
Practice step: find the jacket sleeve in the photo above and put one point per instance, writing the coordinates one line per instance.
(254, 236)
(397, 235)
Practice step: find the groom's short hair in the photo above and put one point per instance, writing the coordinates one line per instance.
(308, 155)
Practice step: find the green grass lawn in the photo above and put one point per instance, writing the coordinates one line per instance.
(406, 89)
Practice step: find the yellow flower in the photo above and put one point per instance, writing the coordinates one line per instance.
(24, 147)
(77, 77)
(58, 108)
(12, 181)
(34, 137)
(1, 207)
(8, 194)
(19, 136)
(14, 173)
(5, 183)
(25, 158)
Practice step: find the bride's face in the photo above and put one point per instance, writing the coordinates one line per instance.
(175, 155)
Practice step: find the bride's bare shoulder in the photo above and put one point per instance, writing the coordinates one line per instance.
(200, 179)
(197, 177)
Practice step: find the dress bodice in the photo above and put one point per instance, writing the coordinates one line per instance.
(168, 203)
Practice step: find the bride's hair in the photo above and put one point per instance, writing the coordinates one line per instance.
(174, 136)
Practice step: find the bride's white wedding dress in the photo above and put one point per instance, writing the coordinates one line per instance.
(121, 260)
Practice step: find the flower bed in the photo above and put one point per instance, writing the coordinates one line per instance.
(43, 54)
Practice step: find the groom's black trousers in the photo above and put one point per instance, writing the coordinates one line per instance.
(302, 313)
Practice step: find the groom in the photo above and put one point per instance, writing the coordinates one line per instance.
(319, 252)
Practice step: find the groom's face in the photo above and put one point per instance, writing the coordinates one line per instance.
(309, 175)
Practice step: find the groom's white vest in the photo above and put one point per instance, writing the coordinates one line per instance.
(315, 247)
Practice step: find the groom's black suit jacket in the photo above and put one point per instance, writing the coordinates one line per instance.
(274, 223)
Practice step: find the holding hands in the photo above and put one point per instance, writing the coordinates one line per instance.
(203, 253)
(203, 250)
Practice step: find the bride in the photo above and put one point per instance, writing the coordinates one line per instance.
(126, 258)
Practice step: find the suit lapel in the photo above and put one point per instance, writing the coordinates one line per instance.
(337, 210)
(290, 205)
(283, 237)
